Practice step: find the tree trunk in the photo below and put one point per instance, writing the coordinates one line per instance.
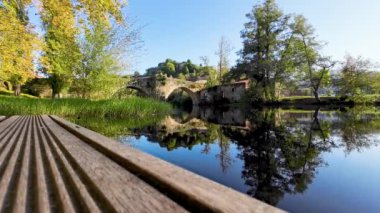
(56, 93)
(8, 85)
(17, 90)
(56, 86)
(316, 95)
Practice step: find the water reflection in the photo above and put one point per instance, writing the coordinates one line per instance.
(281, 150)
(280, 155)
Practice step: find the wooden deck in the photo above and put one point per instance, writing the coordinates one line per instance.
(48, 164)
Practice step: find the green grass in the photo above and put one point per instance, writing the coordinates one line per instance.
(366, 98)
(293, 98)
(360, 99)
(131, 108)
(5, 92)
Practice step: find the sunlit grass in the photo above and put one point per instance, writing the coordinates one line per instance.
(4, 92)
(293, 98)
(131, 108)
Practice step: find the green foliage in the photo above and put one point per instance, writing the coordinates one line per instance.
(61, 53)
(355, 77)
(101, 10)
(265, 40)
(17, 43)
(173, 68)
(279, 50)
(312, 66)
(212, 74)
(97, 76)
(181, 76)
(161, 79)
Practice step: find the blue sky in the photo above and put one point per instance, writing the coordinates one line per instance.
(188, 29)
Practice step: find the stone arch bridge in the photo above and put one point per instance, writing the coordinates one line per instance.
(163, 87)
(152, 86)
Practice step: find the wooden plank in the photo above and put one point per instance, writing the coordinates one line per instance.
(85, 196)
(2, 118)
(123, 190)
(7, 143)
(192, 191)
(60, 187)
(6, 125)
(10, 173)
(23, 184)
(42, 188)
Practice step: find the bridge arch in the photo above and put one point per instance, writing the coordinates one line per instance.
(145, 93)
(193, 95)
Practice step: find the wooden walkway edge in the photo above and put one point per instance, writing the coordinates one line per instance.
(48, 164)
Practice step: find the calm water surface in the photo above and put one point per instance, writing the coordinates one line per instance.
(299, 160)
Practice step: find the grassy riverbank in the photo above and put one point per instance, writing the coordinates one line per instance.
(373, 99)
(131, 108)
(4, 92)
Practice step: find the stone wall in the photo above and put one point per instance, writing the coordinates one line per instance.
(231, 93)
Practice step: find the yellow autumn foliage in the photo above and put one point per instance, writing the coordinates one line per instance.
(17, 46)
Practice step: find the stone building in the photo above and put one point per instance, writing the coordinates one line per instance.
(229, 93)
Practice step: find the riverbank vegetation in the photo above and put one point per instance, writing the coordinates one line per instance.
(5, 92)
(130, 108)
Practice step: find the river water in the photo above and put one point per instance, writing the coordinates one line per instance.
(316, 160)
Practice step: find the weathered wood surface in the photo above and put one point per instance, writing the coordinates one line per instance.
(49, 164)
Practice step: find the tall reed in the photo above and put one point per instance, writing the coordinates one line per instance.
(134, 108)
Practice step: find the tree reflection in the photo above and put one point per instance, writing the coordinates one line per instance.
(224, 154)
(356, 126)
(281, 149)
(280, 157)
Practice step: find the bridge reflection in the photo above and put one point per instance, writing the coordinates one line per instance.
(222, 116)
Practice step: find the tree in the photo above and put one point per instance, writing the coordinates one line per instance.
(17, 43)
(97, 62)
(315, 67)
(205, 60)
(62, 21)
(101, 10)
(265, 40)
(104, 49)
(212, 74)
(61, 54)
(136, 74)
(170, 66)
(173, 68)
(279, 50)
(355, 76)
(375, 83)
(223, 52)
